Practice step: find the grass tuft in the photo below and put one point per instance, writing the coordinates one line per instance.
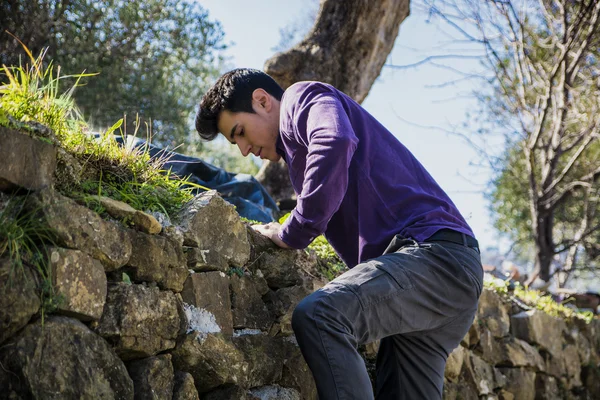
(33, 94)
(538, 300)
(22, 239)
(329, 263)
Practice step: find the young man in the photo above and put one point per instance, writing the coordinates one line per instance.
(415, 275)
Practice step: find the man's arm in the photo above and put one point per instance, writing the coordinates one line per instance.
(324, 128)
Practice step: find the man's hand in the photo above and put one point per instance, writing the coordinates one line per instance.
(271, 230)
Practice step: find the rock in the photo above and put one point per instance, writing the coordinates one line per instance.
(227, 393)
(546, 387)
(520, 382)
(62, 359)
(80, 282)
(152, 377)
(263, 356)
(205, 260)
(295, 373)
(184, 388)
(517, 353)
(209, 222)
(282, 303)
(27, 163)
(285, 268)
(139, 321)
(454, 363)
(211, 359)
(587, 354)
(274, 392)
(505, 395)
(473, 336)
(157, 259)
(459, 391)
(123, 211)
(19, 299)
(481, 375)
(248, 308)
(209, 291)
(590, 375)
(77, 227)
(572, 366)
(493, 312)
(70, 171)
(537, 327)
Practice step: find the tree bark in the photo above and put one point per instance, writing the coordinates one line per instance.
(347, 47)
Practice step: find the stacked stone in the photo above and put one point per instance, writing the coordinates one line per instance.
(510, 353)
(202, 308)
(181, 311)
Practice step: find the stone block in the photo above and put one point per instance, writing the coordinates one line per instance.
(520, 382)
(139, 321)
(200, 260)
(273, 392)
(209, 291)
(153, 377)
(157, 259)
(209, 222)
(537, 327)
(19, 299)
(493, 312)
(454, 363)
(27, 163)
(122, 211)
(481, 376)
(263, 356)
(80, 282)
(248, 309)
(546, 388)
(296, 373)
(184, 388)
(211, 359)
(77, 227)
(62, 359)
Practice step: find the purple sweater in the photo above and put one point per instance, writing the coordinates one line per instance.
(356, 183)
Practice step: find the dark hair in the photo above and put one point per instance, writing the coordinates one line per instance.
(232, 92)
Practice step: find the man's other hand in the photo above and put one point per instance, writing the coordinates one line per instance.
(271, 230)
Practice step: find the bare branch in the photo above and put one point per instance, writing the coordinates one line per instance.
(584, 182)
(431, 58)
(570, 163)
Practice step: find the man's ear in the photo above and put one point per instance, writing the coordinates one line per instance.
(262, 99)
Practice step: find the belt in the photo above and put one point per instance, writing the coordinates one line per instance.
(449, 235)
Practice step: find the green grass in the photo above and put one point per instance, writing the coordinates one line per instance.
(33, 93)
(329, 263)
(22, 240)
(538, 300)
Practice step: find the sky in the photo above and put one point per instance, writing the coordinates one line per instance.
(408, 101)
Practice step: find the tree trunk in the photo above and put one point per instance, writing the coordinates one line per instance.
(545, 247)
(346, 47)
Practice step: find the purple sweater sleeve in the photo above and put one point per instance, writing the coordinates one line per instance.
(323, 127)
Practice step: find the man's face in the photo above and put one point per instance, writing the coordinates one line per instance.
(256, 132)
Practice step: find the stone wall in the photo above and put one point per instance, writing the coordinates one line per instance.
(202, 309)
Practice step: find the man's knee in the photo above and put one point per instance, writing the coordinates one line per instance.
(304, 313)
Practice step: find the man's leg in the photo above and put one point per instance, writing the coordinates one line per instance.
(418, 288)
(411, 366)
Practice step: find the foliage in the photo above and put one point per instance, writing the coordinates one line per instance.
(124, 173)
(154, 57)
(537, 300)
(541, 94)
(330, 264)
(22, 239)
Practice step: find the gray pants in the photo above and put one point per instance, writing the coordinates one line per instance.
(419, 299)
